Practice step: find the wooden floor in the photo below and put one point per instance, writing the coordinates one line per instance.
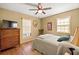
(24, 49)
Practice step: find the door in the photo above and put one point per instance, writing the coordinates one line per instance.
(26, 26)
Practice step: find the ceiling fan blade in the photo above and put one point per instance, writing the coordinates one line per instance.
(47, 8)
(32, 9)
(43, 12)
(36, 13)
(31, 4)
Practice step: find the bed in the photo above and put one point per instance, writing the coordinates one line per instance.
(48, 44)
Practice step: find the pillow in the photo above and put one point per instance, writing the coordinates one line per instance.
(64, 38)
(68, 36)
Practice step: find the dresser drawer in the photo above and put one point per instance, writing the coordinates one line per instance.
(9, 43)
(10, 37)
(5, 44)
(10, 31)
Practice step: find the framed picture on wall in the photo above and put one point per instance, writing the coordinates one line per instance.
(49, 26)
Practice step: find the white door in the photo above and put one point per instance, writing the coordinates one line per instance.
(26, 24)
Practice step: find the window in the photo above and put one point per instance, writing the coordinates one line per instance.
(26, 24)
(63, 25)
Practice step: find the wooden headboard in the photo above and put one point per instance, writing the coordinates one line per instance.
(75, 40)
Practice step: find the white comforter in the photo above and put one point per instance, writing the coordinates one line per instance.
(49, 38)
(48, 44)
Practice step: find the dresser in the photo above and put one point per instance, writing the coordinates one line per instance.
(9, 37)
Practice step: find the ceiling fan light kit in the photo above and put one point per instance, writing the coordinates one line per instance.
(40, 9)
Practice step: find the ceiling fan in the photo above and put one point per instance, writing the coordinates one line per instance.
(40, 9)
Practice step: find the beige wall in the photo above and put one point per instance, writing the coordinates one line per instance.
(74, 14)
(42, 23)
(11, 15)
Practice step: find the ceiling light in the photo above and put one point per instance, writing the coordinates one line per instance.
(40, 11)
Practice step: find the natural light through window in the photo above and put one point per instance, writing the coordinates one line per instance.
(63, 25)
(26, 24)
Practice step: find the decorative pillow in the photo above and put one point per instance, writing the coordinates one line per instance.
(64, 38)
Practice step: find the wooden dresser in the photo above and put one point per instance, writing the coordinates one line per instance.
(9, 37)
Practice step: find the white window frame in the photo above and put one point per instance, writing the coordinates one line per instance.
(62, 25)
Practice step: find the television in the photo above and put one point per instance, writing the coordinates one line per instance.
(9, 24)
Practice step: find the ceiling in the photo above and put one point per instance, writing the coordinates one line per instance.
(24, 8)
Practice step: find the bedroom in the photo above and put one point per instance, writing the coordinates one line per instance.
(45, 24)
